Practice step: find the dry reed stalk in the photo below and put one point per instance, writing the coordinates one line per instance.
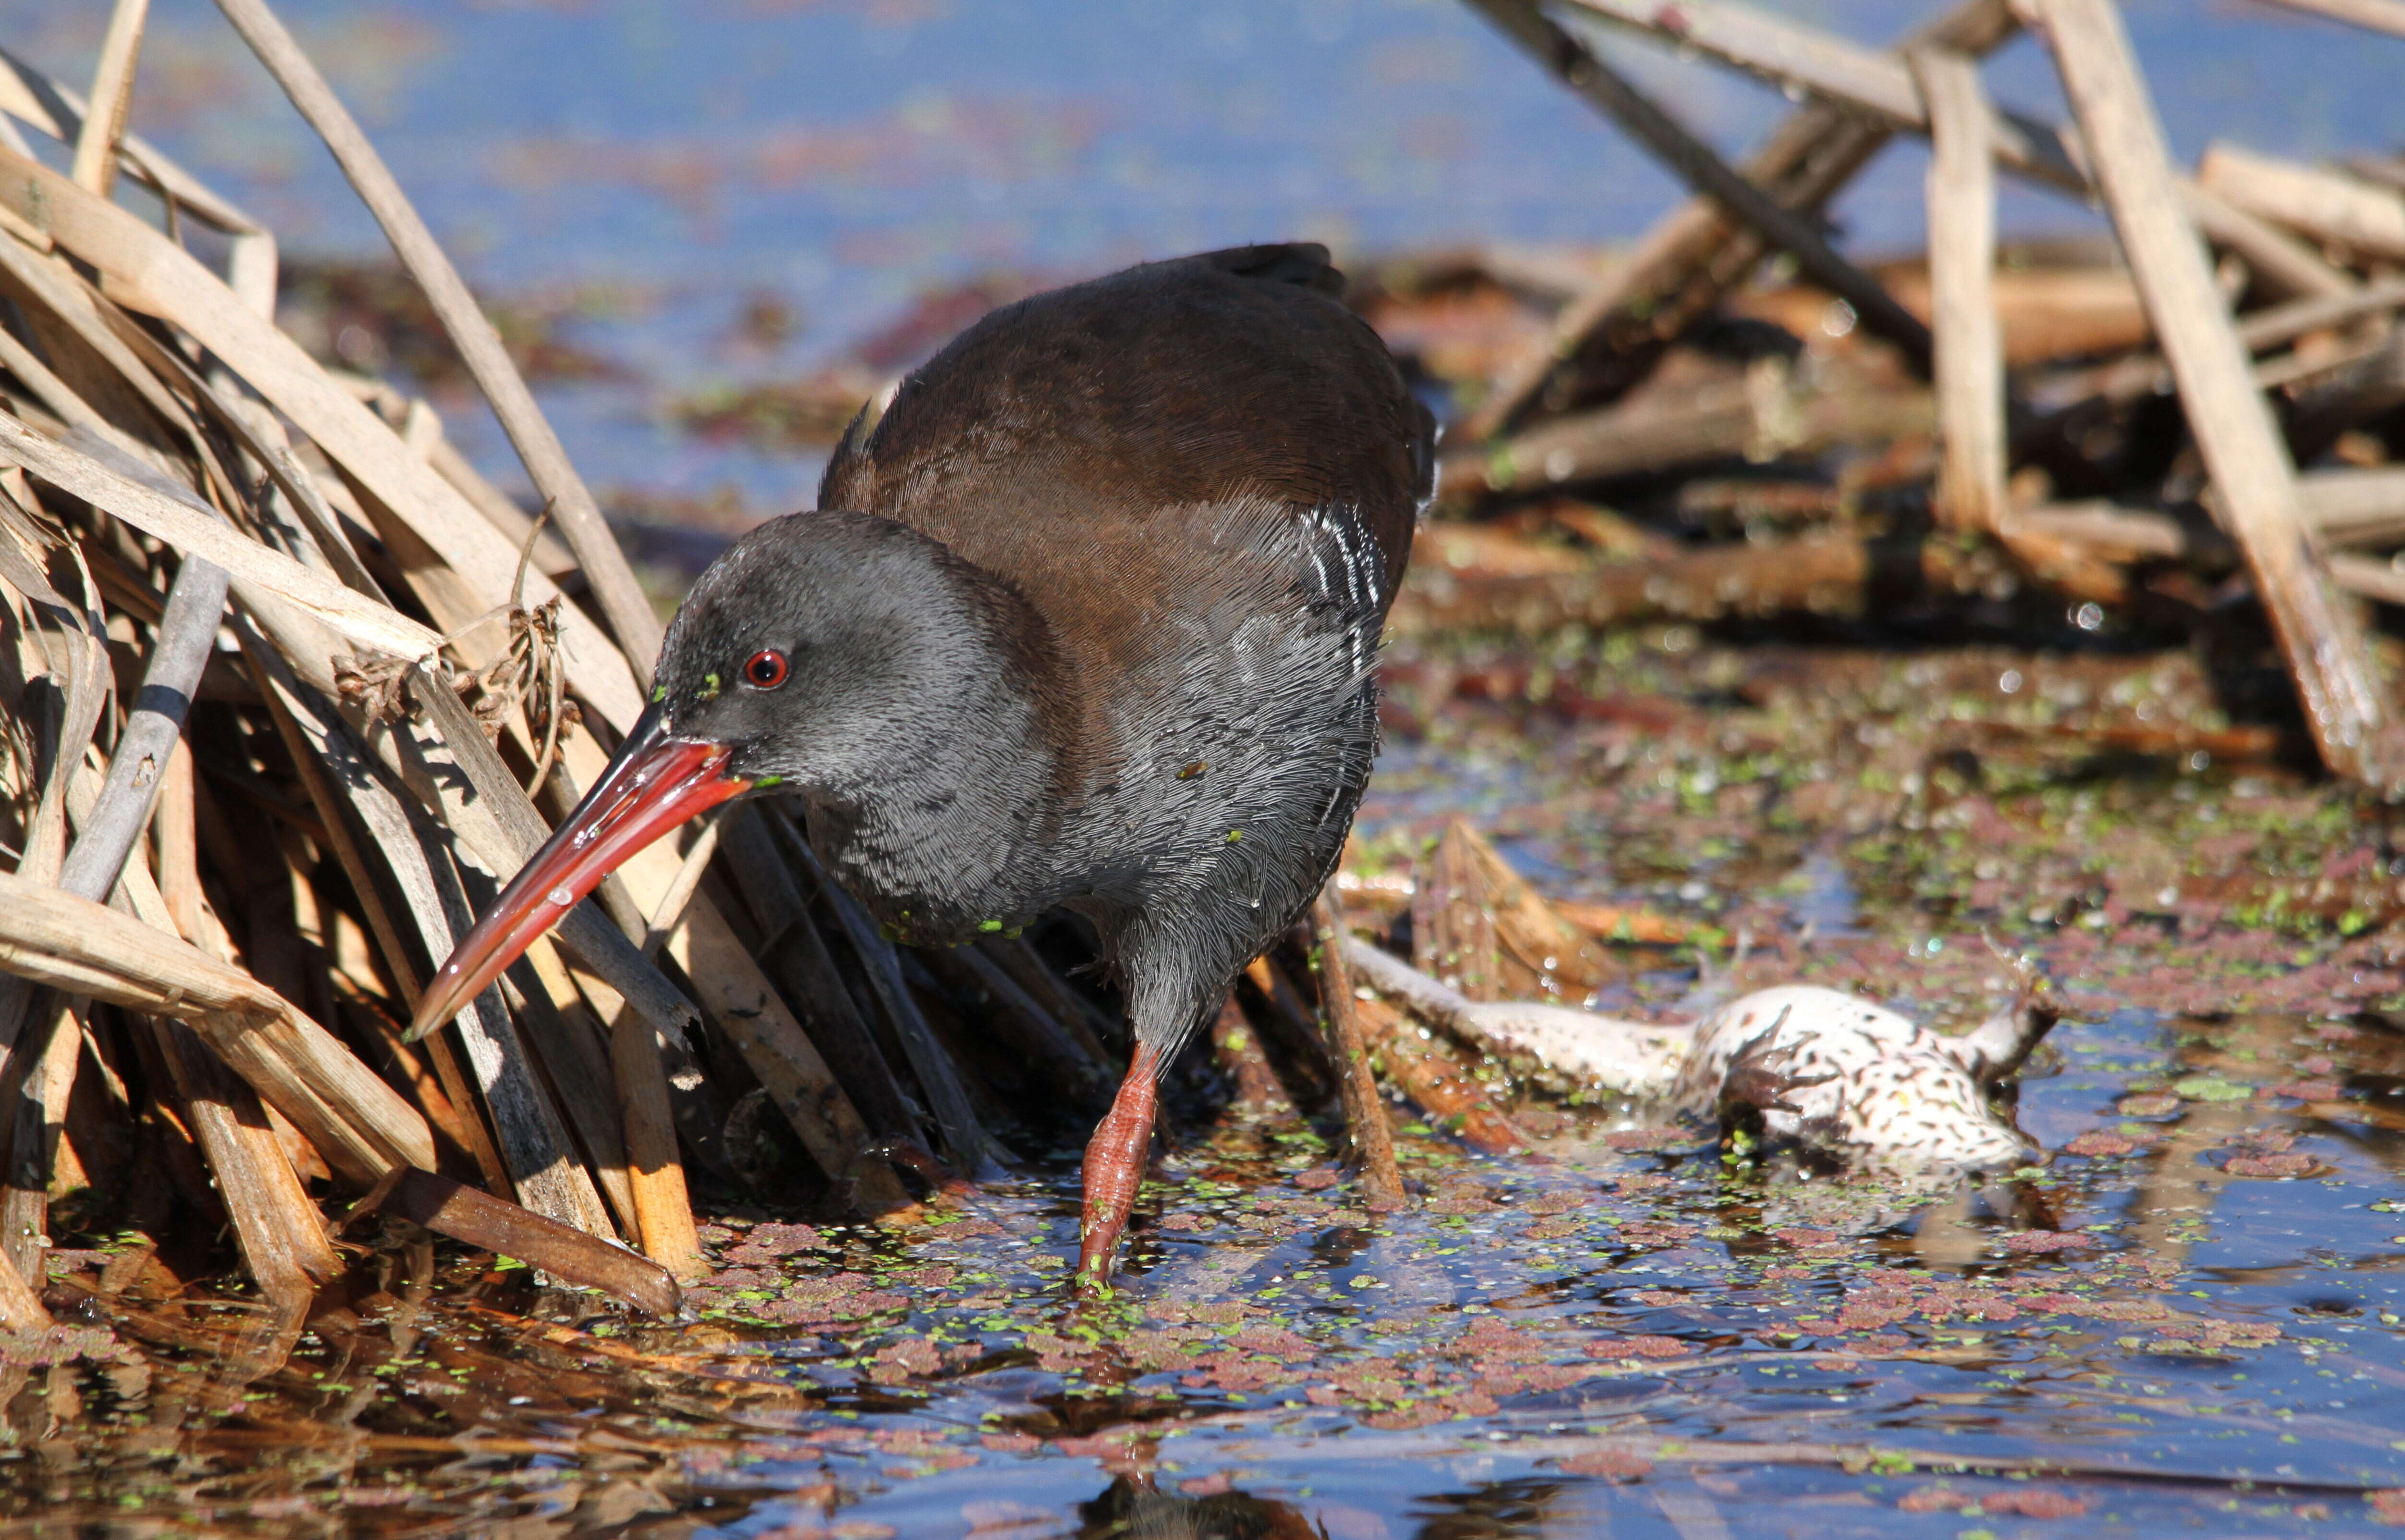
(1882, 88)
(396, 806)
(1348, 1043)
(282, 1234)
(46, 1062)
(56, 110)
(623, 604)
(1084, 1019)
(176, 828)
(1292, 1024)
(671, 908)
(480, 1219)
(2278, 260)
(1970, 374)
(361, 622)
(1826, 572)
(20, 1307)
(812, 981)
(301, 1069)
(349, 783)
(739, 1001)
(567, 1049)
(1024, 1024)
(663, 1204)
(2347, 712)
(112, 92)
(966, 1140)
(1238, 1049)
(2355, 507)
(145, 272)
(627, 995)
(1762, 416)
(2329, 206)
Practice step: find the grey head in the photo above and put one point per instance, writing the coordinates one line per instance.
(910, 698)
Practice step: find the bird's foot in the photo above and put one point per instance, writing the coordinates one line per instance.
(1115, 1162)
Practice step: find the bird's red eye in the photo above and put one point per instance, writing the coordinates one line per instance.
(765, 670)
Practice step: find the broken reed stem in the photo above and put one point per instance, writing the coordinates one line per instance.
(187, 633)
(1970, 374)
(2326, 206)
(622, 600)
(112, 92)
(2233, 428)
(176, 828)
(637, 1006)
(1450, 1097)
(1701, 167)
(1365, 1110)
(966, 1142)
(482, 1221)
(747, 1010)
(1879, 86)
(2286, 266)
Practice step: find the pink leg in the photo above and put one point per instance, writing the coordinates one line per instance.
(1115, 1162)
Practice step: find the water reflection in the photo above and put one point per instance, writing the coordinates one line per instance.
(1135, 1508)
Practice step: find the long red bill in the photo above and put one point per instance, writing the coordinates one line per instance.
(654, 783)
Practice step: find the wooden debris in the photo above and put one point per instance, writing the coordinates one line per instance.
(2308, 241)
(1239, 1052)
(1829, 572)
(1573, 1048)
(112, 92)
(1762, 416)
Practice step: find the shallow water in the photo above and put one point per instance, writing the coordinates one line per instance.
(2191, 1320)
(1543, 1344)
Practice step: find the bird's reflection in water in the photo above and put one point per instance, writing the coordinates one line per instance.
(1134, 1508)
(1495, 1510)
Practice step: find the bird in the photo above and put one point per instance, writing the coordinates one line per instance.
(1087, 618)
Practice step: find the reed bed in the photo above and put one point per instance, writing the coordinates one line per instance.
(290, 689)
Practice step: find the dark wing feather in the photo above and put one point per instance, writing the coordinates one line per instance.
(1230, 375)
